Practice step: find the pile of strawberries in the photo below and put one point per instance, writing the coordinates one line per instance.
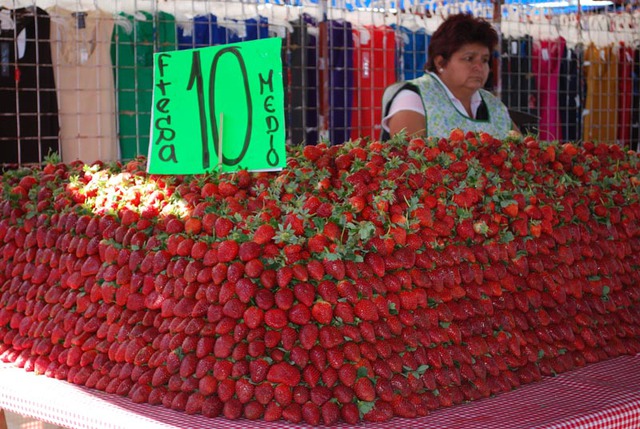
(363, 282)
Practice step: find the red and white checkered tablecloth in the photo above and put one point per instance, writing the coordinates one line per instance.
(602, 395)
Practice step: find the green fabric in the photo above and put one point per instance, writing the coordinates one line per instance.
(132, 55)
(442, 116)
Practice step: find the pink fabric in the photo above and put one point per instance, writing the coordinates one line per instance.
(545, 67)
(598, 396)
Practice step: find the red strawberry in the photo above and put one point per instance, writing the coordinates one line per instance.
(334, 268)
(249, 250)
(315, 269)
(284, 276)
(245, 290)
(376, 263)
(350, 413)
(276, 318)
(253, 317)
(318, 243)
(228, 250)
(365, 389)
(223, 227)
(305, 293)
(299, 314)
(283, 373)
(366, 310)
(381, 412)
(311, 413)
(322, 312)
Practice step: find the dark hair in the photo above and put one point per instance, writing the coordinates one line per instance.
(456, 31)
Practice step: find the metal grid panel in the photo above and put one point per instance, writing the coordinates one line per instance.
(576, 72)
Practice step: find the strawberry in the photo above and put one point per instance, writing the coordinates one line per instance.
(245, 290)
(232, 408)
(212, 406)
(366, 310)
(283, 373)
(222, 227)
(322, 312)
(335, 268)
(330, 337)
(382, 412)
(402, 407)
(311, 413)
(253, 410)
(253, 317)
(299, 314)
(304, 293)
(308, 335)
(364, 389)
(292, 413)
(284, 276)
(318, 243)
(228, 250)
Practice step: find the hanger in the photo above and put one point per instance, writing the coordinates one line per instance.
(124, 23)
(412, 21)
(6, 22)
(279, 24)
(18, 4)
(139, 16)
(59, 19)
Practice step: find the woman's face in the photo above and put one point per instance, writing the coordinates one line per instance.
(467, 69)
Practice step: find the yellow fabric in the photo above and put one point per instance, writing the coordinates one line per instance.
(601, 72)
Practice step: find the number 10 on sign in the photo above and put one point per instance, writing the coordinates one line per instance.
(218, 108)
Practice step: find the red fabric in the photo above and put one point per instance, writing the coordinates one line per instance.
(598, 396)
(373, 62)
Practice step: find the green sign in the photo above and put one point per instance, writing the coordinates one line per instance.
(218, 108)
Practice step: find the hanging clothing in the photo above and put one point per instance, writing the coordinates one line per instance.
(84, 80)
(571, 94)
(546, 66)
(200, 32)
(635, 112)
(519, 88)
(412, 56)
(337, 78)
(374, 50)
(302, 110)
(28, 108)
(601, 115)
(237, 30)
(132, 53)
(625, 94)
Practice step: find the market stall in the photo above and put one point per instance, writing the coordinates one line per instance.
(231, 278)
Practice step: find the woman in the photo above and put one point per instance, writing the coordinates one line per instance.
(450, 94)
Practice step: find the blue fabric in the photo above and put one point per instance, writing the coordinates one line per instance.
(413, 52)
(205, 32)
(254, 29)
(257, 28)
